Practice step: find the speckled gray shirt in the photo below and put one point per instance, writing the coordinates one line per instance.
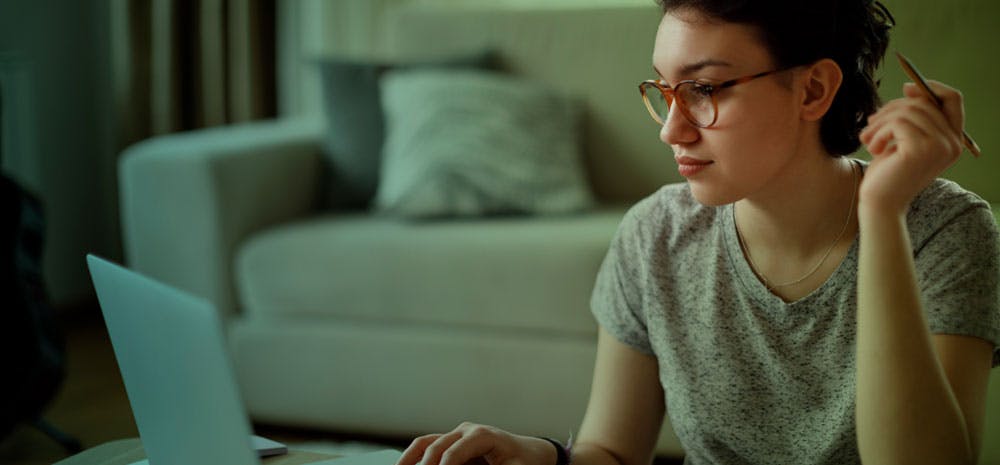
(748, 378)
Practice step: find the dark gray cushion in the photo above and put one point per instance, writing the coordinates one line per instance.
(355, 123)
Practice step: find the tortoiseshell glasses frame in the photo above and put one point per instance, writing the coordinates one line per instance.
(697, 100)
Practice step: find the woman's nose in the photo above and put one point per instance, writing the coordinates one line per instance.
(677, 129)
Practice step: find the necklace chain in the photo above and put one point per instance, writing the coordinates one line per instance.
(753, 266)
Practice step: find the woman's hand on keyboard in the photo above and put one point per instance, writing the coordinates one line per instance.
(473, 443)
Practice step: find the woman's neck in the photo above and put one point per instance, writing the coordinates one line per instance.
(802, 210)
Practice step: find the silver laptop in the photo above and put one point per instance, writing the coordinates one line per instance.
(176, 370)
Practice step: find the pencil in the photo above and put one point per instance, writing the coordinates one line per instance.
(918, 78)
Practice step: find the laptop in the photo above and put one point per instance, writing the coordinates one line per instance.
(178, 377)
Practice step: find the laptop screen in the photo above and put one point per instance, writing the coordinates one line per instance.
(176, 371)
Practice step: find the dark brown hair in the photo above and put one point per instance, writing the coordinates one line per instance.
(854, 33)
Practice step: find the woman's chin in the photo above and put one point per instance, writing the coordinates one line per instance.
(710, 196)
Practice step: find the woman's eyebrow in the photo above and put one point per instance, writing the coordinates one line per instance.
(692, 68)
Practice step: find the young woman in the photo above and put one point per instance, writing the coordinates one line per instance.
(790, 305)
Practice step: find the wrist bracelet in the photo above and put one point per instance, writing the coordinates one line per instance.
(562, 452)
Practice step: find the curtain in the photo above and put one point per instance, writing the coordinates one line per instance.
(185, 64)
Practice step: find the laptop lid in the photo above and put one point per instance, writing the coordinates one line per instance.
(178, 377)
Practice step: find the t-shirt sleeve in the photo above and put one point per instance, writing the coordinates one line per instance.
(958, 271)
(616, 301)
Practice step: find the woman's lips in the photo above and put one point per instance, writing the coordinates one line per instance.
(688, 166)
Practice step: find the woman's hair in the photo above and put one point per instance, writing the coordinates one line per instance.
(854, 33)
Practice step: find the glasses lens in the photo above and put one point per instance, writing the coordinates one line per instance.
(657, 105)
(697, 102)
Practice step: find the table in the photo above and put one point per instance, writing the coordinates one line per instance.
(126, 451)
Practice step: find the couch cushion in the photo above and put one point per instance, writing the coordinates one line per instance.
(355, 126)
(514, 273)
(471, 142)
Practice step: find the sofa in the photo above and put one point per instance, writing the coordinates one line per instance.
(360, 322)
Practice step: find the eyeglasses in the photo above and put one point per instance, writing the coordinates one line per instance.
(696, 100)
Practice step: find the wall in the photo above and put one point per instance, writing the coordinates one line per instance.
(308, 29)
(952, 42)
(65, 155)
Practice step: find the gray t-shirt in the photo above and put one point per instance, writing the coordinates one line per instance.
(749, 378)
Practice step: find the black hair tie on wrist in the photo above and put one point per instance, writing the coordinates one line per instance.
(562, 453)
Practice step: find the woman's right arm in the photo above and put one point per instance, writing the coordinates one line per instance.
(626, 407)
(620, 427)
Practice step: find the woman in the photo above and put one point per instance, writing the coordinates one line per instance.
(789, 304)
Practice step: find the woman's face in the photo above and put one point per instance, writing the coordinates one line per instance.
(757, 130)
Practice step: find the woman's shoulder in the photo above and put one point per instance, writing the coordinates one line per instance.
(669, 211)
(943, 200)
(942, 203)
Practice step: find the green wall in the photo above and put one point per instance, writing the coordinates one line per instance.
(956, 42)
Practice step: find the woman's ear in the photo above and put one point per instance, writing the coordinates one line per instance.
(822, 80)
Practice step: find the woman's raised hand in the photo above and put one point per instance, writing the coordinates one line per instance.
(912, 141)
(470, 442)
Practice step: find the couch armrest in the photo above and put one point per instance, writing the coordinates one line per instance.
(189, 199)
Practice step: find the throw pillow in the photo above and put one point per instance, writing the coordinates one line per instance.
(353, 143)
(471, 142)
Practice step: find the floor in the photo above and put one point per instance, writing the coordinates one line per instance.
(92, 405)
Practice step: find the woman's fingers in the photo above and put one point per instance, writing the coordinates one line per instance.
(479, 441)
(951, 99)
(936, 124)
(415, 451)
(888, 138)
(928, 132)
(916, 136)
(912, 140)
(462, 445)
(433, 453)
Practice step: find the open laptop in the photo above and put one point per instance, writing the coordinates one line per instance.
(176, 370)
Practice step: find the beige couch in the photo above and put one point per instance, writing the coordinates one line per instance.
(360, 323)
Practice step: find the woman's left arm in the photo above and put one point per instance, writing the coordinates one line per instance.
(920, 397)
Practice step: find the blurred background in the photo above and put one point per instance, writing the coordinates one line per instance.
(82, 81)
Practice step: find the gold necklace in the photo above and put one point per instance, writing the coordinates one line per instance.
(753, 266)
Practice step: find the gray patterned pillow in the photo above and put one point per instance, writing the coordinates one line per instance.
(353, 143)
(470, 142)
